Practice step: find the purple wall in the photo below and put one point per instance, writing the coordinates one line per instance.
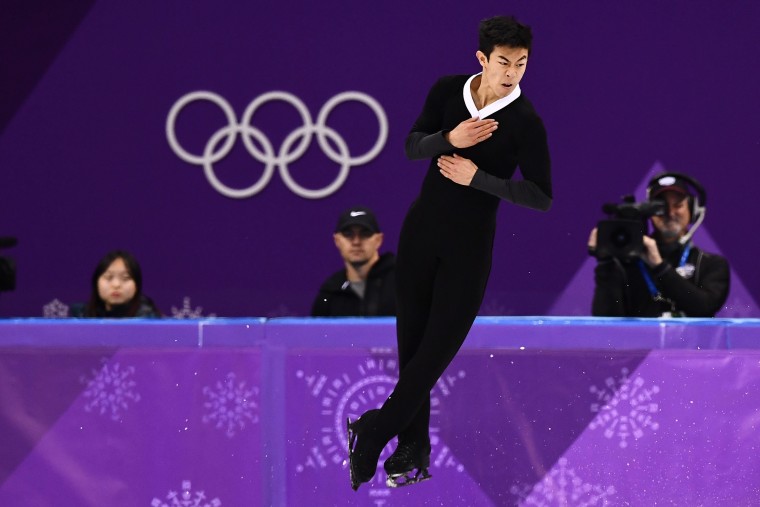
(544, 411)
(86, 165)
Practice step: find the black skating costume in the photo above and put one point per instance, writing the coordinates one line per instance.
(445, 248)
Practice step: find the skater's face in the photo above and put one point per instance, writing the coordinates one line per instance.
(358, 245)
(116, 285)
(503, 69)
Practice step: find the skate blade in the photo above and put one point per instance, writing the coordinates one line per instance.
(350, 441)
(351, 436)
(407, 479)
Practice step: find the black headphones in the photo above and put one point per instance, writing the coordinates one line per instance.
(697, 196)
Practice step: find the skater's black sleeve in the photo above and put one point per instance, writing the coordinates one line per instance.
(521, 192)
(534, 190)
(426, 139)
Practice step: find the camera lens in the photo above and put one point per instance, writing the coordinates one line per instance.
(621, 238)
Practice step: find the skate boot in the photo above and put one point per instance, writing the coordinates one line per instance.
(364, 453)
(408, 464)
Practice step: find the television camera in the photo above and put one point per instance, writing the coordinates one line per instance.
(622, 234)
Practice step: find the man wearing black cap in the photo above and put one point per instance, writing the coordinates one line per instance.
(673, 278)
(366, 286)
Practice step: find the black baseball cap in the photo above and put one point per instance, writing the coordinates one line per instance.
(669, 182)
(358, 215)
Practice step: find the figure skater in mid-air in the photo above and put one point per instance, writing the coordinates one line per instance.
(477, 130)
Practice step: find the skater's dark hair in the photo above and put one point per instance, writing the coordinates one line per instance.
(503, 31)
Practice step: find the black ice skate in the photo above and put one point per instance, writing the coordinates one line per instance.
(361, 463)
(407, 465)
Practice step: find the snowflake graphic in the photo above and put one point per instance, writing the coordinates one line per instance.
(231, 405)
(186, 312)
(55, 309)
(624, 408)
(350, 395)
(562, 487)
(110, 390)
(186, 498)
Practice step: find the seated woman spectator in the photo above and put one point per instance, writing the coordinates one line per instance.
(117, 290)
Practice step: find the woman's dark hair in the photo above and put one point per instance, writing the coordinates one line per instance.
(97, 307)
(503, 31)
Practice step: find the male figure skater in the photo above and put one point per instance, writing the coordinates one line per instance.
(476, 130)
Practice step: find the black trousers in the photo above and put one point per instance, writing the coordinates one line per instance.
(442, 268)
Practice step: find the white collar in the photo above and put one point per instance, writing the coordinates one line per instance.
(490, 108)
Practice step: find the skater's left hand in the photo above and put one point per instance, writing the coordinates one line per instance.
(458, 169)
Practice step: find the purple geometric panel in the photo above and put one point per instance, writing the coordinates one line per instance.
(325, 388)
(522, 410)
(39, 384)
(150, 426)
(31, 35)
(572, 412)
(682, 427)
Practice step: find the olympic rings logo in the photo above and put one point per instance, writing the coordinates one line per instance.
(265, 152)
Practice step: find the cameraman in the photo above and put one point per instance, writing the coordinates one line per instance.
(671, 277)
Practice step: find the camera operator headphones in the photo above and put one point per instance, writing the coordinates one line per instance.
(695, 192)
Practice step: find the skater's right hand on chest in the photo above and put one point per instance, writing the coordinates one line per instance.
(471, 132)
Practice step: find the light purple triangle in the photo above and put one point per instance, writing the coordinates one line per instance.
(576, 298)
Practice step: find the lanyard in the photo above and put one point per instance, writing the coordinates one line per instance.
(648, 278)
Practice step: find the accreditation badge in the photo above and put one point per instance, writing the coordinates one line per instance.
(686, 271)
